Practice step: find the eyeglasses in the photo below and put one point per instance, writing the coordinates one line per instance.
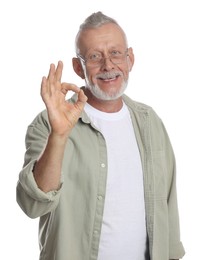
(96, 58)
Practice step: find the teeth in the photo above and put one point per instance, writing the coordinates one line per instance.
(108, 76)
(109, 79)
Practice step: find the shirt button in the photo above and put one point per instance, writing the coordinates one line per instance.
(96, 232)
(100, 197)
(103, 165)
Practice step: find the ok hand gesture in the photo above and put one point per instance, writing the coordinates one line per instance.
(62, 114)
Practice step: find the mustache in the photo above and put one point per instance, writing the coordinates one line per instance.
(109, 75)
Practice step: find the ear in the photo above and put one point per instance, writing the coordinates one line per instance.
(131, 58)
(77, 66)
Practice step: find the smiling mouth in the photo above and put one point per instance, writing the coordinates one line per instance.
(108, 76)
(109, 79)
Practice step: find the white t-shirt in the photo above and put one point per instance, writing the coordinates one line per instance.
(123, 234)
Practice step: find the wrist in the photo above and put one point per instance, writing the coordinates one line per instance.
(59, 139)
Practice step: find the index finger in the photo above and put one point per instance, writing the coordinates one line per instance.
(65, 87)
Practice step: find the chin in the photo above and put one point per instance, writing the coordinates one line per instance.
(107, 96)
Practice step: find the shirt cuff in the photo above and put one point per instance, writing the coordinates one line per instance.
(29, 185)
(176, 251)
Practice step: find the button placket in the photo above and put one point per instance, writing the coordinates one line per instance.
(103, 165)
(100, 194)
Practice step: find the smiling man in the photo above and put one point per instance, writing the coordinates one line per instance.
(99, 168)
(106, 62)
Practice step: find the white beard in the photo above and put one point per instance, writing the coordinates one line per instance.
(103, 95)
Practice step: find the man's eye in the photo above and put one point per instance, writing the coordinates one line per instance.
(115, 53)
(95, 56)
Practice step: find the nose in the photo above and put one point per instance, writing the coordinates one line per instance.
(107, 64)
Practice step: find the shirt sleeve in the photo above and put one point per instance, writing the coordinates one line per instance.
(176, 249)
(32, 200)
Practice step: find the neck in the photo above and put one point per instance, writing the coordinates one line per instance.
(108, 106)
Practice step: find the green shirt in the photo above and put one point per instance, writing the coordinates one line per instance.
(71, 217)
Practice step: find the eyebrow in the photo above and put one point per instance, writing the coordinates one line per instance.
(101, 50)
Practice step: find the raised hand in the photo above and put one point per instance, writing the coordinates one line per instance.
(62, 114)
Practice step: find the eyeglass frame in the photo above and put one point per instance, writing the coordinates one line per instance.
(84, 60)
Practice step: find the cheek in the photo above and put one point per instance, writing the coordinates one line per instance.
(128, 69)
(124, 69)
(126, 73)
(91, 76)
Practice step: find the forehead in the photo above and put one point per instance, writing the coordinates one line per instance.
(107, 35)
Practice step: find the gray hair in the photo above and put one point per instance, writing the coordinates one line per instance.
(95, 20)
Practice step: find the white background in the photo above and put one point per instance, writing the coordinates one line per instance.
(165, 36)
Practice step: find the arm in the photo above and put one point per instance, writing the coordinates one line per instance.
(62, 117)
(176, 249)
(37, 190)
